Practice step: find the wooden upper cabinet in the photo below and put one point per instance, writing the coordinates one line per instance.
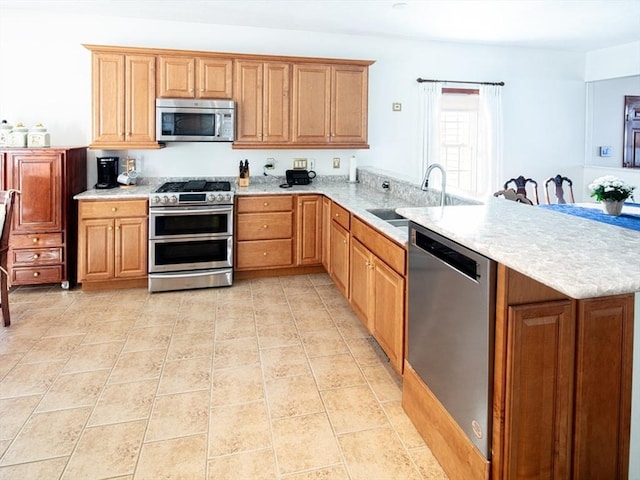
(199, 77)
(262, 102)
(311, 103)
(330, 104)
(123, 101)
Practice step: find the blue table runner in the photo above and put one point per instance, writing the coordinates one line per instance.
(625, 220)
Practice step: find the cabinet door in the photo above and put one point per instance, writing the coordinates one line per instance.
(108, 97)
(39, 178)
(249, 102)
(326, 233)
(311, 103)
(130, 247)
(96, 249)
(361, 288)
(349, 101)
(176, 77)
(388, 311)
(541, 346)
(214, 77)
(309, 229)
(603, 387)
(340, 240)
(276, 102)
(140, 99)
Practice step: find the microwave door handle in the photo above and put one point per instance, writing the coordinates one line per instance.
(218, 122)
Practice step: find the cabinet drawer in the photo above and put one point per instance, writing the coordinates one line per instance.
(113, 208)
(389, 252)
(264, 226)
(36, 275)
(37, 256)
(36, 240)
(264, 254)
(340, 215)
(265, 203)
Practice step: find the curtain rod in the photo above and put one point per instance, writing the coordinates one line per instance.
(424, 80)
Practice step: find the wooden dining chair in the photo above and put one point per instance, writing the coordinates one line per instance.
(521, 187)
(511, 194)
(558, 181)
(7, 200)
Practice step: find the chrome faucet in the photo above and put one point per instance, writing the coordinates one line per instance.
(425, 183)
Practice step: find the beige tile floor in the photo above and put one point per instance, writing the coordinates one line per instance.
(269, 379)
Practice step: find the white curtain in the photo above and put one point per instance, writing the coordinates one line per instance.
(490, 160)
(431, 94)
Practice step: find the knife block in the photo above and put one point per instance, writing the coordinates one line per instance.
(243, 181)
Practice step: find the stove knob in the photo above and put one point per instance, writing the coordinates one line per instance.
(165, 199)
(173, 199)
(220, 197)
(156, 199)
(211, 198)
(227, 197)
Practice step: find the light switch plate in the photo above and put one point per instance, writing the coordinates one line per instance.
(300, 164)
(396, 106)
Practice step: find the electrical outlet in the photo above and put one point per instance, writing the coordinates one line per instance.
(270, 164)
(336, 162)
(300, 164)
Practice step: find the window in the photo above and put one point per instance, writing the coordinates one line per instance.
(459, 142)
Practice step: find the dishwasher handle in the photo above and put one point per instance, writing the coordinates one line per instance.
(447, 255)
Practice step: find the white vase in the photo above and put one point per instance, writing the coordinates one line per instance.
(612, 207)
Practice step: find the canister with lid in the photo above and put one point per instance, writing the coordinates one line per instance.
(38, 136)
(18, 137)
(5, 130)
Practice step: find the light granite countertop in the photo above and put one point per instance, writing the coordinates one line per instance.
(353, 196)
(578, 257)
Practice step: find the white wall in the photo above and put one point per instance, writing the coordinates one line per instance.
(46, 78)
(614, 62)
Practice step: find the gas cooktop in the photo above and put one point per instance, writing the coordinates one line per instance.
(192, 192)
(194, 186)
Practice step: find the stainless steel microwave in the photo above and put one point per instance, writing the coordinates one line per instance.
(183, 120)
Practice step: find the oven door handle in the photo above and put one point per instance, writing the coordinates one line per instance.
(194, 211)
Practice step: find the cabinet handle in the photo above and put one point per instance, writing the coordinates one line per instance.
(36, 239)
(36, 256)
(36, 274)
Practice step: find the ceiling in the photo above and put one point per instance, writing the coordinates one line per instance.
(577, 25)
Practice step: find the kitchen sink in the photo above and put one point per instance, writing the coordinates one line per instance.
(390, 216)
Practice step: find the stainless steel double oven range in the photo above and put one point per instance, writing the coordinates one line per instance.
(190, 235)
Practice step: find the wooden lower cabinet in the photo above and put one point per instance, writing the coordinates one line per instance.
(113, 243)
(309, 230)
(562, 390)
(326, 233)
(339, 241)
(264, 232)
(377, 294)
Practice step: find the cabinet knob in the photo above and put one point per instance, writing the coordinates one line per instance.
(114, 209)
(264, 254)
(110, 228)
(337, 215)
(265, 226)
(202, 89)
(36, 274)
(36, 256)
(344, 241)
(117, 228)
(36, 239)
(266, 204)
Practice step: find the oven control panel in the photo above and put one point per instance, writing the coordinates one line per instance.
(177, 199)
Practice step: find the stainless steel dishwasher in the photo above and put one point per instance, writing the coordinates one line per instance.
(451, 319)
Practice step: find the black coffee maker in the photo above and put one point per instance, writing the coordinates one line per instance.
(107, 172)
